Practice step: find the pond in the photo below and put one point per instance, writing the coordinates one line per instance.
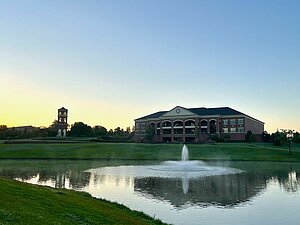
(259, 193)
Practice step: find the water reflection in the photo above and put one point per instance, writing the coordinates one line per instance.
(292, 183)
(225, 190)
(185, 185)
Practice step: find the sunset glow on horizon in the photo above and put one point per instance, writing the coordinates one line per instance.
(109, 62)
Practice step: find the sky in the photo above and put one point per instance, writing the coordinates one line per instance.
(110, 62)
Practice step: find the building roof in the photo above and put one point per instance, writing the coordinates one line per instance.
(224, 111)
(153, 115)
(202, 111)
(62, 109)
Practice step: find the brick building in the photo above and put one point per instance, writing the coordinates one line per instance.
(197, 124)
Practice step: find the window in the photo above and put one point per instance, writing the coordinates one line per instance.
(167, 131)
(225, 122)
(178, 123)
(232, 130)
(166, 124)
(152, 125)
(241, 129)
(203, 126)
(178, 139)
(178, 131)
(189, 123)
(232, 122)
(189, 131)
(212, 126)
(240, 121)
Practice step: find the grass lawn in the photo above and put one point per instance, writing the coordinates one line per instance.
(131, 151)
(22, 203)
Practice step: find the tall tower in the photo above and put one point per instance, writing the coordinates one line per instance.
(62, 122)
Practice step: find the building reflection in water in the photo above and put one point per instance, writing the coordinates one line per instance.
(224, 190)
(292, 183)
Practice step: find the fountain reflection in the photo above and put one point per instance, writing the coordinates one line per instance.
(185, 185)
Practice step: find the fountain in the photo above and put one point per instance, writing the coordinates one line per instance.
(183, 169)
(185, 153)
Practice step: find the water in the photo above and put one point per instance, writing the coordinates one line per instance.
(184, 170)
(185, 153)
(264, 193)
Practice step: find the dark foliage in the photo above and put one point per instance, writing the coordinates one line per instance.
(150, 132)
(249, 136)
(266, 137)
(80, 129)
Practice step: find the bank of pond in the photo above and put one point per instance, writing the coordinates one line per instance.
(23, 203)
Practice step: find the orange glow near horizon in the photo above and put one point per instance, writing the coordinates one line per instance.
(23, 103)
(29, 105)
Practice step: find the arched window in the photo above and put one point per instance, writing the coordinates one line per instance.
(178, 123)
(152, 124)
(166, 123)
(203, 126)
(178, 127)
(189, 127)
(189, 123)
(167, 127)
(158, 128)
(213, 126)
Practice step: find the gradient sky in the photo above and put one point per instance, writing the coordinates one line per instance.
(110, 62)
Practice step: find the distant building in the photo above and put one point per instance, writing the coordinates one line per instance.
(62, 122)
(197, 124)
(23, 129)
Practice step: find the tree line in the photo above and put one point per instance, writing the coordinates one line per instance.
(100, 133)
(78, 129)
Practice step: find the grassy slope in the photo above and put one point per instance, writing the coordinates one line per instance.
(22, 203)
(234, 151)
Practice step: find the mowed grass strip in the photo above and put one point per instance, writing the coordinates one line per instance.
(133, 151)
(22, 203)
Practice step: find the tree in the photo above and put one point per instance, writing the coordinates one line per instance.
(118, 131)
(296, 137)
(128, 131)
(249, 136)
(3, 130)
(266, 137)
(79, 129)
(100, 131)
(279, 138)
(52, 129)
(150, 132)
(289, 134)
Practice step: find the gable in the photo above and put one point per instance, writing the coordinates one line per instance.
(178, 111)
